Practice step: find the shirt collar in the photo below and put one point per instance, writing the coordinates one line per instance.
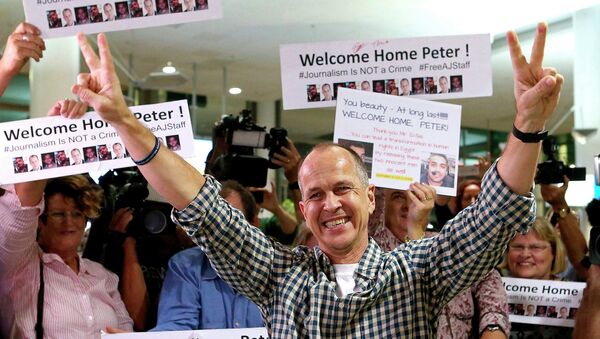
(85, 267)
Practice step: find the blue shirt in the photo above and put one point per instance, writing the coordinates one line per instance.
(193, 297)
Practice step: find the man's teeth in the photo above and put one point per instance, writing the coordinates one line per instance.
(334, 223)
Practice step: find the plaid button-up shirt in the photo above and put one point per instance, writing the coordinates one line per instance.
(402, 292)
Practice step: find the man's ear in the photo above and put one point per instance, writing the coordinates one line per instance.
(371, 197)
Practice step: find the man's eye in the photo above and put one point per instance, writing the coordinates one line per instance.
(315, 195)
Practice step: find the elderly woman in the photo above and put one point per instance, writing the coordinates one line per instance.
(538, 254)
(46, 287)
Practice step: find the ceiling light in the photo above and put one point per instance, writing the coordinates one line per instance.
(235, 90)
(169, 68)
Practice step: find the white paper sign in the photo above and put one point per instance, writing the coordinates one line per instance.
(54, 146)
(237, 333)
(59, 18)
(544, 302)
(402, 140)
(431, 67)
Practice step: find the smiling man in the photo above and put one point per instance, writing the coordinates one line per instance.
(346, 287)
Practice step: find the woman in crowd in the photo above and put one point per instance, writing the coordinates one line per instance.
(538, 254)
(46, 286)
(74, 297)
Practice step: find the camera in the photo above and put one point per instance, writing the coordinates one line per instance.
(243, 136)
(552, 171)
(127, 188)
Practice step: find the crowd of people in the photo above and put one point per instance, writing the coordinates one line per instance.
(352, 260)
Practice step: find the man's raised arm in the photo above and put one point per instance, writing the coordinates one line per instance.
(537, 90)
(170, 175)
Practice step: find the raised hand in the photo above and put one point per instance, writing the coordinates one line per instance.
(555, 195)
(24, 43)
(100, 88)
(536, 88)
(289, 158)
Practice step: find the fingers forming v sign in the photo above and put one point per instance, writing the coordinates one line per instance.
(100, 88)
(537, 89)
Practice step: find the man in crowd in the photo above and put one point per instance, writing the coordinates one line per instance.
(193, 297)
(347, 285)
(437, 171)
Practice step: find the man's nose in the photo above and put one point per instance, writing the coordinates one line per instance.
(332, 201)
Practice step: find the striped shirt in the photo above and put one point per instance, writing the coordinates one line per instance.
(76, 305)
(402, 292)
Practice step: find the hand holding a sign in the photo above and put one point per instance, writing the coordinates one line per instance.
(537, 88)
(24, 43)
(421, 199)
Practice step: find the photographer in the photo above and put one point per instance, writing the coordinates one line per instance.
(134, 239)
(229, 155)
(567, 224)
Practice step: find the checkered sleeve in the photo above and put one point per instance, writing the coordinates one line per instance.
(472, 243)
(241, 254)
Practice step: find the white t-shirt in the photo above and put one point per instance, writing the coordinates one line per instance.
(344, 276)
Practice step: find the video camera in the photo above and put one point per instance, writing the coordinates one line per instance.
(242, 135)
(552, 171)
(127, 187)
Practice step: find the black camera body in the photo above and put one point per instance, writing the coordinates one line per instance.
(243, 136)
(127, 187)
(552, 171)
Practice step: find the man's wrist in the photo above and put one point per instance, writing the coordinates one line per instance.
(530, 125)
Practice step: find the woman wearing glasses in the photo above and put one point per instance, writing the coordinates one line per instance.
(45, 285)
(538, 254)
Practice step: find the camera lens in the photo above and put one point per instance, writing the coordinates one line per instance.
(155, 222)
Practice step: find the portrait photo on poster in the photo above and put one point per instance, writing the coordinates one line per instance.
(363, 149)
(437, 169)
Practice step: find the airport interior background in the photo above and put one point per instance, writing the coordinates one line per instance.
(242, 50)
